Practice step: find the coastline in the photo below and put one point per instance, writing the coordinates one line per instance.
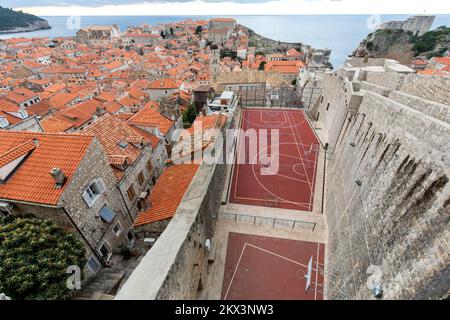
(35, 26)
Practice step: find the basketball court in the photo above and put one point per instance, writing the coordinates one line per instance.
(292, 185)
(268, 268)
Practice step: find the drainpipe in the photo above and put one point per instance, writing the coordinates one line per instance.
(125, 203)
(84, 238)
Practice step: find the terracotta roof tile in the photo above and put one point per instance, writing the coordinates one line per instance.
(167, 194)
(118, 139)
(32, 181)
(150, 117)
(55, 125)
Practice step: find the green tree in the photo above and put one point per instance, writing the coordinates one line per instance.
(370, 45)
(228, 53)
(12, 19)
(431, 39)
(262, 66)
(189, 115)
(198, 30)
(34, 257)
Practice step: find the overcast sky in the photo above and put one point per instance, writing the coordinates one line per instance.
(227, 7)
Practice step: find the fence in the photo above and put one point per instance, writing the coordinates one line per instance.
(309, 96)
(274, 222)
(283, 97)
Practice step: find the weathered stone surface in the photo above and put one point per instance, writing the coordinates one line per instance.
(176, 265)
(389, 193)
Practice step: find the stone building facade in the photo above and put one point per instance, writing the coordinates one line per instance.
(88, 220)
(99, 218)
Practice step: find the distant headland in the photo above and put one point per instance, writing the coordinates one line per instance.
(17, 21)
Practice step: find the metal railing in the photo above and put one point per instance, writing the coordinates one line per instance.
(274, 222)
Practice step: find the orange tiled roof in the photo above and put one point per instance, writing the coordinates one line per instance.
(284, 66)
(442, 60)
(149, 117)
(60, 100)
(16, 152)
(163, 84)
(110, 132)
(31, 181)
(112, 106)
(105, 97)
(40, 108)
(432, 72)
(167, 193)
(55, 125)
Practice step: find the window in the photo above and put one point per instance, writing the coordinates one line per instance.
(321, 99)
(105, 251)
(23, 114)
(130, 235)
(3, 122)
(93, 192)
(130, 192)
(107, 214)
(328, 106)
(141, 178)
(123, 144)
(117, 229)
(93, 265)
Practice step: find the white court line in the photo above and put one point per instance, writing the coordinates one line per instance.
(295, 138)
(317, 270)
(234, 273)
(271, 253)
(311, 199)
(261, 125)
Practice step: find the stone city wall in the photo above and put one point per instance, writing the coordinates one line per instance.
(387, 203)
(389, 80)
(432, 88)
(431, 108)
(176, 266)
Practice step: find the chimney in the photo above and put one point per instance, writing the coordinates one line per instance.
(59, 177)
(99, 111)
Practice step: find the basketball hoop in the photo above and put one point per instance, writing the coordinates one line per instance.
(308, 274)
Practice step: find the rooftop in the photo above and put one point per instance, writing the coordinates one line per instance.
(31, 180)
(167, 193)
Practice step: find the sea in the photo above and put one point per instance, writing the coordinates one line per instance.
(340, 33)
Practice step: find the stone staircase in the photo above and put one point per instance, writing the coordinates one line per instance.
(107, 282)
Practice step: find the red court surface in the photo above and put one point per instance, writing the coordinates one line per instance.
(291, 186)
(265, 268)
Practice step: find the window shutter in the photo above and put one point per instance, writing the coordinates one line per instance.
(88, 199)
(101, 185)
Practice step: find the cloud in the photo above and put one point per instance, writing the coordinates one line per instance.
(230, 7)
(101, 3)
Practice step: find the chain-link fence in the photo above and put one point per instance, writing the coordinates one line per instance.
(283, 97)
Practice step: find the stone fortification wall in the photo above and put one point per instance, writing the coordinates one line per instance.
(388, 203)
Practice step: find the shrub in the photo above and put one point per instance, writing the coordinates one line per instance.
(34, 257)
(124, 251)
(189, 115)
